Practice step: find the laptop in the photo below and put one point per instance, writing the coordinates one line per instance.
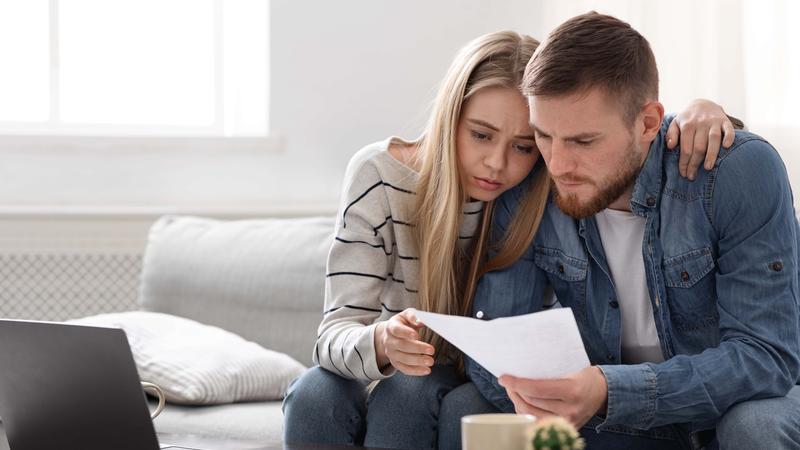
(68, 386)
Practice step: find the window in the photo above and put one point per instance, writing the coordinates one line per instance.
(190, 68)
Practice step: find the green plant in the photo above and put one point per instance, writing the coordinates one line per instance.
(555, 433)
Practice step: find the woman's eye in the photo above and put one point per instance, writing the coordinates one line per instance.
(479, 136)
(526, 149)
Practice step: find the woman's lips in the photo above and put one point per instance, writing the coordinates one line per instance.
(488, 185)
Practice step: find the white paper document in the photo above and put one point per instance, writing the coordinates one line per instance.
(541, 345)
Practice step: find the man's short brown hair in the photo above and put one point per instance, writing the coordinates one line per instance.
(595, 50)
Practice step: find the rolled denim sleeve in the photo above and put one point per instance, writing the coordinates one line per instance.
(514, 290)
(750, 208)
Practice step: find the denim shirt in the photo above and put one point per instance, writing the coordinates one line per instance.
(721, 262)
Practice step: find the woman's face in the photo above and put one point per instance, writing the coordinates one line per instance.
(495, 143)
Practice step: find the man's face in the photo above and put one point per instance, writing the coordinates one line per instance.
(589, 150)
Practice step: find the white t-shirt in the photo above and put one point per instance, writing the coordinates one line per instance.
(622, 233)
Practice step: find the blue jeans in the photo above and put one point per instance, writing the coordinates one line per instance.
(772, 423)
(401, 412)
(461, 401)
(426, 412)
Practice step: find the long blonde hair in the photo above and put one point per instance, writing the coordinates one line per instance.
(448, 276)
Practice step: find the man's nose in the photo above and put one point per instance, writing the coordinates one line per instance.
(559, 161)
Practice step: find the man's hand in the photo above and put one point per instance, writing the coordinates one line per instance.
(576, 397)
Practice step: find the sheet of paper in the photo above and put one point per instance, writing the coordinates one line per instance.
(541, 345)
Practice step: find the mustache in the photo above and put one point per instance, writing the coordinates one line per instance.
(573, 179)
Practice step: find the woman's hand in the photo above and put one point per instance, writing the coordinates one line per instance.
(701, 127)
(397, 342)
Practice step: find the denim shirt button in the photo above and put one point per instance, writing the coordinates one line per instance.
(610, 357)
(651, 201)
(776, 266)
(560, 268)
(685, 276)
(614, 304)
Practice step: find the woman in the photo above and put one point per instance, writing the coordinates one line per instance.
(411, 233)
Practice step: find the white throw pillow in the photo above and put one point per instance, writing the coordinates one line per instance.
(200, 364)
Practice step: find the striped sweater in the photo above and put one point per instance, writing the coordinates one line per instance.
(372, 269)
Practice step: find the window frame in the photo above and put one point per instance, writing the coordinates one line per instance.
(55, 133)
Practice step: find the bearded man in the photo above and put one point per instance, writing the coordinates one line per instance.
(685, 292)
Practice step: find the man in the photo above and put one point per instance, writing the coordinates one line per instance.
(685, 292)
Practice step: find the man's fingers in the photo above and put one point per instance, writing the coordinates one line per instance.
(556, 407)
(672, 134)
(544, 389)
(523, 407)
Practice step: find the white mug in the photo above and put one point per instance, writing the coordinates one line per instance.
(153, 389)
(496, 431)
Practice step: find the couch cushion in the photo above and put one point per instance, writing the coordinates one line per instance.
(260, 421)
(261, 279)
(3, 440)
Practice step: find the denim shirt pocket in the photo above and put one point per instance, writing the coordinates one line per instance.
(568, 276)
(691, 291)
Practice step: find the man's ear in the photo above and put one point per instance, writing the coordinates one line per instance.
(651, 116)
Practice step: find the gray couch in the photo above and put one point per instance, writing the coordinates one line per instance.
(261, 279)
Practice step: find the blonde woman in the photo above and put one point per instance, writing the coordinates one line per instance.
(411, 233)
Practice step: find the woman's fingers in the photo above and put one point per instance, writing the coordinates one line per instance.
(672, 134)
(417, 371)
(699, 149)
(410, 359)
(409, 316)
(729, 134)
(409, 346)
(714, 142)
(406, 352)
(687, 145)
(401, 327)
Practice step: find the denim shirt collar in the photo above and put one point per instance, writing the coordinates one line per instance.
(648, 185)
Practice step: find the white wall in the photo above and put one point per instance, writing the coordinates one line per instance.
(344, 74)
(743, 54)
(348, 73)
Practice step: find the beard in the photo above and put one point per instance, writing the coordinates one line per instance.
(609, 189)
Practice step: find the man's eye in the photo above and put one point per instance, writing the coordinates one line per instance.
(584, 143)
(479, 136)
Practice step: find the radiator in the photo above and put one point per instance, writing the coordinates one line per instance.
(57, 268)
(43, 286)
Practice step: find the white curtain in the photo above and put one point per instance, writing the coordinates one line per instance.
(743, 54)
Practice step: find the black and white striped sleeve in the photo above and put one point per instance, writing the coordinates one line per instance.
(358, 267)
